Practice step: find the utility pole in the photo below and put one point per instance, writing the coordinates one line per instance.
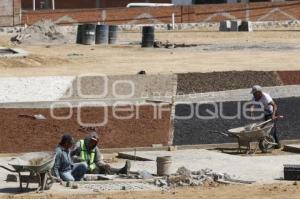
(33, 5)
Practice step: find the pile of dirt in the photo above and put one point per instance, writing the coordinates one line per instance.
(220, 81)
(44, 31)
(30, 135)
(289, 77)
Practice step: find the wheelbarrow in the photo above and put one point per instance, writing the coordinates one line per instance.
(37, 165)
(255, 132)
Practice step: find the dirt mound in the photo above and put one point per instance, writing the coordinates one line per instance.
(44, 31)
(29, 135)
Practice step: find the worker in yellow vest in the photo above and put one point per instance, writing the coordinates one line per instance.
(87, 150)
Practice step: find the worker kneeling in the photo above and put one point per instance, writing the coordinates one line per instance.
(64, 168)
(86, 150)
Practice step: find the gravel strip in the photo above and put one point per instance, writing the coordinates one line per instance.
(222, 81)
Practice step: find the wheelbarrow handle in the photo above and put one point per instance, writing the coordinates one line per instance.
(219, 132)
(8, 169)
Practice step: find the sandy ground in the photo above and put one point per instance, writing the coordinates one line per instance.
(267, 191)
(221, 52)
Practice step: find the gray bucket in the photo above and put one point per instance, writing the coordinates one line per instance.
(102, 34)
(113, 34)
(148, 37)
(164, 165)
(79, 34)
(88, 34)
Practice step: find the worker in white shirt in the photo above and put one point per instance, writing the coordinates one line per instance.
(270, 108)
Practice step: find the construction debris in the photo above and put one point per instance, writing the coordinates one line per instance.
(185, 177)
(36, 117)
(167, 44)
(43, 31)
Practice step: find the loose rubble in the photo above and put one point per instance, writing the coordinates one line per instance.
(185, 177)
(44, 31)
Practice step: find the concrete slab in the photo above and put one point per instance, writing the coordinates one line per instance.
(239, 94)
(257, 168)
(12, 52)
(294, 148)
(33, 89)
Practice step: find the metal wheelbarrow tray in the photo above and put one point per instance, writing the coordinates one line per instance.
(38, 165)
(256, 132)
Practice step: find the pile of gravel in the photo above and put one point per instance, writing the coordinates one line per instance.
(43, 31)
(221, 81)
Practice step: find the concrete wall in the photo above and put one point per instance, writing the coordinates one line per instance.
(10, 12)
(184, 14)
(123, 86)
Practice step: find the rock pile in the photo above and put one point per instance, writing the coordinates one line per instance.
(185, 177)
(44, 31)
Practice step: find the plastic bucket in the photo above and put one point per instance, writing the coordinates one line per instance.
(164, 165)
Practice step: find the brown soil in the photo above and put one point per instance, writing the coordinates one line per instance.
(289, 77)
(24, 134)
(269, 191)
(71, 59)
(221, 81)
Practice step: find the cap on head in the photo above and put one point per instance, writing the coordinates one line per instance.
(256, 88)
(93, 136)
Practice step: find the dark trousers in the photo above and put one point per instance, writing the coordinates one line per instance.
(274, 130)
(107, 171)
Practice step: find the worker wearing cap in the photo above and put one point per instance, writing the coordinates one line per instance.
(64, 168)
(270, 107)
(86, 150)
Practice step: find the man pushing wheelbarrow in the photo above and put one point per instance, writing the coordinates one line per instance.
(270, 109)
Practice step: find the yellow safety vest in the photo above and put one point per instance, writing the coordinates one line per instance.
(88, 157)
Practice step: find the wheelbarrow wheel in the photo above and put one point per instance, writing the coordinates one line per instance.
(266, 144)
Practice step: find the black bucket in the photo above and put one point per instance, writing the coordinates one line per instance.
(148, 37)
(102, 34)
(113, 34)
(79, 34)
(88, 34)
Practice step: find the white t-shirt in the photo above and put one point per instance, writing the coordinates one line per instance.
(265, 100)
